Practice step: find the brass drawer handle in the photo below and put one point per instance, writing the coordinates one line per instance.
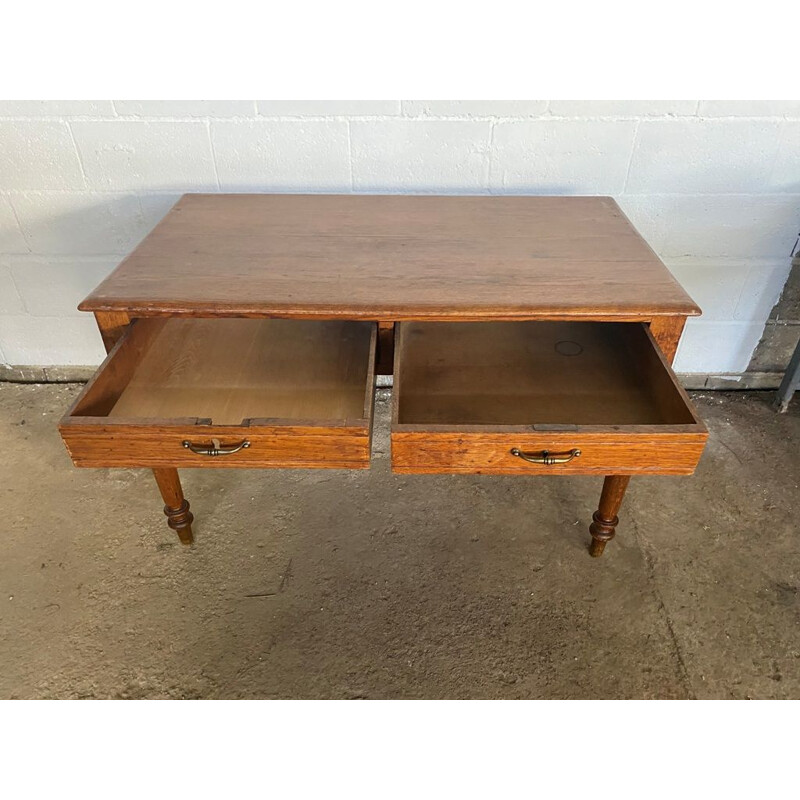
(215, 448)
(546, 457)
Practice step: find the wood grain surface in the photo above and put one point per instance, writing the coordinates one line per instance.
(626, 451)
(99, 444)
(516, 373)
(667, 333)
(393, 258)
(605, 519)
(176, 506)
(168, 381)
(465, 395)
(228, 370)
(112, 325)
(297, 383)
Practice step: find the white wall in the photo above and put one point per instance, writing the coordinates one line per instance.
(714, 186)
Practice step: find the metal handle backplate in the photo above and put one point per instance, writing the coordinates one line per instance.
(215, 448)
(546, 457)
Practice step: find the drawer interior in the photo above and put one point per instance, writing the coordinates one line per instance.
(525, 373)
(230, 370)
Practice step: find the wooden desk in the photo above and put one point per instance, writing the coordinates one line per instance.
(526, 336)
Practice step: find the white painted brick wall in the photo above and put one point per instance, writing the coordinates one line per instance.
(10, 301)
(57, 108)
(282, 156)
(474, 108)
(622, 108)
(11, 238)
(181, 109)
(716, 226)
(714, 157)
(146, 155)
(422, 155)
(713, 185)
(573, 156)
(328, 108)
(38, 154)
(68, 341)
(79, 223)
(52, 287)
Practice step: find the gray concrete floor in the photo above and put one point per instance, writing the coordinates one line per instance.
(366, 584)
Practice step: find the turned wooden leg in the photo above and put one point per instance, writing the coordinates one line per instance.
(176, 507)
(605, 518)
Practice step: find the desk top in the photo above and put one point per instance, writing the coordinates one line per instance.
(393, 257)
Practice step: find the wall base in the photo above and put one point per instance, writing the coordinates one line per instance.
(27, 374)
(78, 374)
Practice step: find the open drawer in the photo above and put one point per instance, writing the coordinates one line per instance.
(229, 393)
(510, 398)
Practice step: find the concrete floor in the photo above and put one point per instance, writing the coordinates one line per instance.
(372, 585)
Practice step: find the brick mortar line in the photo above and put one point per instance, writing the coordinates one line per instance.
(213, 151)
(19, 296)
(634, 144)
(77, 154)
(491, 166)
(19, 225)
(350, 157)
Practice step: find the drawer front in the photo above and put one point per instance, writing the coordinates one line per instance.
(490, 453)
(163, 446)
(229, 393)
